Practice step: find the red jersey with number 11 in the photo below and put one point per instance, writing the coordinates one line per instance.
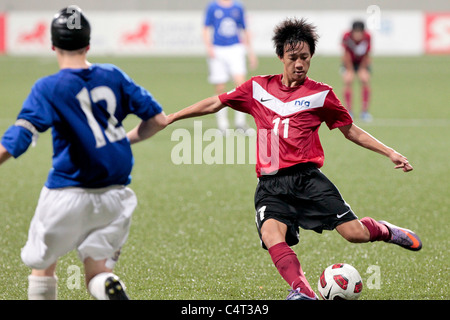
(287, 119)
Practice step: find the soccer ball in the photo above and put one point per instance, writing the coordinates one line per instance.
(340, 281)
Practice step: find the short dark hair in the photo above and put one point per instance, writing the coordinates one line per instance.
(358, 26)
(291, 32)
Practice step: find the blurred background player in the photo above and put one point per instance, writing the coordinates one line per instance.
(356, 60)
(85, 203)
(227, 43)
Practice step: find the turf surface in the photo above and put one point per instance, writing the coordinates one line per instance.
(193, 234)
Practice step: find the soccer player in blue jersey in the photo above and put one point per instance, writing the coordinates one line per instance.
(227, 43)
(85, 203)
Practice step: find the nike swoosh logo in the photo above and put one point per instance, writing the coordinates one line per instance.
(327, 296)
(341, 215)
(415, 242)
(264, 100)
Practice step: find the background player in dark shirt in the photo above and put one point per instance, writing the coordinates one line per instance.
(356, 62)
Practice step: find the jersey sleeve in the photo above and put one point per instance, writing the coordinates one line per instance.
(35, 116)
(139, 100)
(241, 20)
(344, 41)
(334, 113)
(16, 140)
(37, 107)
(240, 98)
(369, 42)
(209, 16)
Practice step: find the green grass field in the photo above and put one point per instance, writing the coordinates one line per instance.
(193, 234)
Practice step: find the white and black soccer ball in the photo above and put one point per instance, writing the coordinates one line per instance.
(340, 281)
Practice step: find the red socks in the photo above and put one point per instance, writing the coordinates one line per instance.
(348, 99)
(288, 266)
(365, 98)
(378, 231)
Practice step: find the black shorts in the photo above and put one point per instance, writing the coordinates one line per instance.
(300, 196)
(356, 67)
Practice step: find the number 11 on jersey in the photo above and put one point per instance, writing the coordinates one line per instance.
(285, 122)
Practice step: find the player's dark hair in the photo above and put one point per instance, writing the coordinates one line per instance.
(293, 31)
(70, 29)
(358, 26)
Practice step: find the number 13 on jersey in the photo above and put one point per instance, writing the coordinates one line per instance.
(112, 132)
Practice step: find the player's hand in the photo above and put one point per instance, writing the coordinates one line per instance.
(4, 154)
(211, 52)
(401, 162)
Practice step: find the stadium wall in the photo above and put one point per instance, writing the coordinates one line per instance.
(178, 33)
(181, 5)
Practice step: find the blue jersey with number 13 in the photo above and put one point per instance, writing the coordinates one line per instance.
(85, 109)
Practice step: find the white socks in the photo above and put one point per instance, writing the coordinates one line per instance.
(42, 288)
(223, 123)
(45, 288)
(222, 119)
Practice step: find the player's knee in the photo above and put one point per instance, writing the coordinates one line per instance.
(348, 78)
(273, 232)
(364, 78)
(357, 236)
(272, 238)
(39, 260)
(268, 238)
(354, 232)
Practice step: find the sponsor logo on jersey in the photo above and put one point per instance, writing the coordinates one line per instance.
(315, 100)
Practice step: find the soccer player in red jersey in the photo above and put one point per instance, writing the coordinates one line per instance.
(356, 61)
(292, 192)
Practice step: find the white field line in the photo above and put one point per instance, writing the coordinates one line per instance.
(380, 122)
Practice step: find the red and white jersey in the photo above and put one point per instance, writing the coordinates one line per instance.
(358, 49)
(287, 119)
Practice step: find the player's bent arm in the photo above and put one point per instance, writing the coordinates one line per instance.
(365, 61)
(4, 154)
(207, 40)
(148, 128)
(357, 135)
(201, 108)
(246, 40)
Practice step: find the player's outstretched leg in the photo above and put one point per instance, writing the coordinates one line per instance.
(387, 232)
(403, 237)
